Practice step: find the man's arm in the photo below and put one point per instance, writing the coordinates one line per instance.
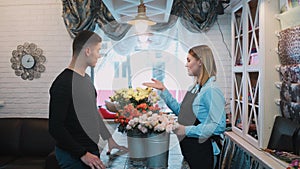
(59, 103)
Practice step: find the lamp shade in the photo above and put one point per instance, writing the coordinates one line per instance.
(141, 17)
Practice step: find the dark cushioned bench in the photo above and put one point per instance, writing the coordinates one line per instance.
(25, 143)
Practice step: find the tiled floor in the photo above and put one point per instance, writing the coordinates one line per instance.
(120, 160)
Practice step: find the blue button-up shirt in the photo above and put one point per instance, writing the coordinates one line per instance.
(208, 107)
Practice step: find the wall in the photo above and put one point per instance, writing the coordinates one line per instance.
(40, 22)
(214, 39)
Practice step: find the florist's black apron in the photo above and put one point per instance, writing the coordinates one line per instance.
(198, 155)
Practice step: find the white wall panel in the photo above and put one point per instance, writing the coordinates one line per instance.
(41, 22)
(38, 22)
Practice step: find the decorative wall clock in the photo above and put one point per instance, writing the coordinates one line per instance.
(27, 61)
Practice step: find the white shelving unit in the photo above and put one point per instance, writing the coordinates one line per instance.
(254, 27)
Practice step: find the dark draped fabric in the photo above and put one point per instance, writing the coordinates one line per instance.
(81, 15)
(194, 15)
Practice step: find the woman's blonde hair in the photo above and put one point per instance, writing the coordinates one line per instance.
(205, 55)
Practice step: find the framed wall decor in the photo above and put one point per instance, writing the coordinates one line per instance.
(27, 61)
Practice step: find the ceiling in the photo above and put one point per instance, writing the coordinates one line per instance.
(156, 10)
(125, 10)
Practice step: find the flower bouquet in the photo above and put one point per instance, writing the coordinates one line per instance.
(148, 129)
(153, 122)
(138, 111)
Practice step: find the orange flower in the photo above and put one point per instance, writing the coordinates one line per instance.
(134, 103)
(154, 108)
(142, 106)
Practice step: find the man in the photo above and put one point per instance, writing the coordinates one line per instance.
(74, 121)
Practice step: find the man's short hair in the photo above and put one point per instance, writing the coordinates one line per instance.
(85, 38)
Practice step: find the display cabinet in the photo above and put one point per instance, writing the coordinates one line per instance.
(254, 59)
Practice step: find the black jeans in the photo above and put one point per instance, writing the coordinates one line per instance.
(198, 155)
(67, 161)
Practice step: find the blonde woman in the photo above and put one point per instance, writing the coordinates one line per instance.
(201, 114)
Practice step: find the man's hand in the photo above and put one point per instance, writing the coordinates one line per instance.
(112, 144)
(92, 160)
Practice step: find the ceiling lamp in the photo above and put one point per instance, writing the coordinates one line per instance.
(141, 21)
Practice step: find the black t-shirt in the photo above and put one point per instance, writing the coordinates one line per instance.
(74, 120)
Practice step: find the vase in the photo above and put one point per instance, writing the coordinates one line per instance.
(157, 150)
(136, 145)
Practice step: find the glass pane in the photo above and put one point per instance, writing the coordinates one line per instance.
(238, 115)
(253, 57)
(253, 109)
(238, 51)
(253, 84)
(116, 70)
(253, 14)
(253, 32)
(238, 31)
(238, 86)
(252, 121)
(238, 22)
(238, 101)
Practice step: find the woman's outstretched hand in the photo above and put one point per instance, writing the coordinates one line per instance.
(156, 84)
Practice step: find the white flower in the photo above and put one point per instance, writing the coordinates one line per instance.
(136, 119)
(149, 113)
(128, 127)
(159, 128)
(143, 117)
(131, 123)
(142, 128)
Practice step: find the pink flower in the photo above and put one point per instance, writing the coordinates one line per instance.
(294, 164)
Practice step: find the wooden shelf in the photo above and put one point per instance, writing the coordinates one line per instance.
(263, 157)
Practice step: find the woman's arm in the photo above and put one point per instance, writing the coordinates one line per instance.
(164, 93)
(170, 101)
